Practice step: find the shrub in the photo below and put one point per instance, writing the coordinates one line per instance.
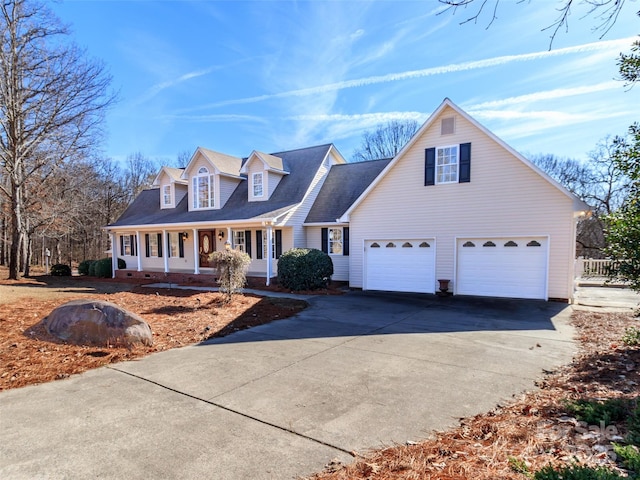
(593, 411)
(83, 268)
(103, 268)
(576, 472)
(629, 455)
(232, 268)
(92, 268)
(60, 270)
(631, 336)
(304, 269)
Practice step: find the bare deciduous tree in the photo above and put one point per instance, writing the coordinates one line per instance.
(606, 12)
(386, 140)
(139, 174)
(598, 182)
(52, 100)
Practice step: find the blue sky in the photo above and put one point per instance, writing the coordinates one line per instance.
(237, 76)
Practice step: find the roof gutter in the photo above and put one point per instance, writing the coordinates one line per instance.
(176, 226)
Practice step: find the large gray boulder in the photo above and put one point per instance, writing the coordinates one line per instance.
(94, 322)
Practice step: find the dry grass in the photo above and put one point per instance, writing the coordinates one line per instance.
(533, 431)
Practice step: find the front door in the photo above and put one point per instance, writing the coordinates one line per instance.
(206, 240)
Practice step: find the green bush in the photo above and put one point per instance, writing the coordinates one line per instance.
(92, 268)
(103, 268)
(576, 472)
(304, 269)
(595, 411)
(83, 268)
(629, 455)
(60, 270)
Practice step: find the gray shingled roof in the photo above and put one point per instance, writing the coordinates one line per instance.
(301, 164)
(343, 185)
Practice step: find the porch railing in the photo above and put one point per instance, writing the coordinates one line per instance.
(592, 267)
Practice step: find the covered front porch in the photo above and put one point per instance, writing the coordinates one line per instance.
(185, 254)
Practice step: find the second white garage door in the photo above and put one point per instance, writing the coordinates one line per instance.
(400, 265)
(502, 267)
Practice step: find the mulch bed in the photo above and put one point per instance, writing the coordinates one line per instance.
(29, 355)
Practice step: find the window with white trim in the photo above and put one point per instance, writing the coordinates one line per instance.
(447, 164)
(264, 244)
(153, 244)
(166, 195)
(174, 244)
(203, 193)
(256, 181)
(239, 242)
(335, 241)
(126, 245)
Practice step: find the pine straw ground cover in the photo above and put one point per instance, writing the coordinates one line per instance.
(29, 355)
(535, 430)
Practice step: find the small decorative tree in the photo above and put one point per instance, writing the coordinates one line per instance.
(232, 268)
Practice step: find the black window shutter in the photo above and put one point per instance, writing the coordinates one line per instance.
(133, 241)
(247, 242)
(430, 166)
(180, 245)
(146, 244)
(345, 241)
(169, 244)
(325, 240)
(259, 244)
(159, 245)
(465, 163)
(121, 244)
(278, 243)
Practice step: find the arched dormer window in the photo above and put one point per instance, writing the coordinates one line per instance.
(203, 193)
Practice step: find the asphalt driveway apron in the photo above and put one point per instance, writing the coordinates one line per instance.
(349, 373)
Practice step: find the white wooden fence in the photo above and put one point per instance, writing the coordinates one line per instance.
(591, 267)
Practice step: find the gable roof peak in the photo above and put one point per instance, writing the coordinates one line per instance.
(225, 164)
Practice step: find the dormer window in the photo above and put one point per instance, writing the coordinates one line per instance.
(203, 193)
(166, 195)
(257, 184)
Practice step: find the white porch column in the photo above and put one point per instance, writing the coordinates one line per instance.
(269, 253)
(165, 250)
(138, 245)
(196, 249)
(114, 255)
(229, 237)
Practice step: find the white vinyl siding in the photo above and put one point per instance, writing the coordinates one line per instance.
(504, 197)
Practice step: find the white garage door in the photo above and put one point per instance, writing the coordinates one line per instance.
(400, 265)
(503, 267)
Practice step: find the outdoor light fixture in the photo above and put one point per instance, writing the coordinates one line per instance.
(221, 235)
(185, 235)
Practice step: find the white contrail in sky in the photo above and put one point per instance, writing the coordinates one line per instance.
(425, 72)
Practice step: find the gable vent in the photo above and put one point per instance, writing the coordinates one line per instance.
(447, 126)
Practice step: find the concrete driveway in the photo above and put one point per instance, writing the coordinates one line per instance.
(281, 400)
